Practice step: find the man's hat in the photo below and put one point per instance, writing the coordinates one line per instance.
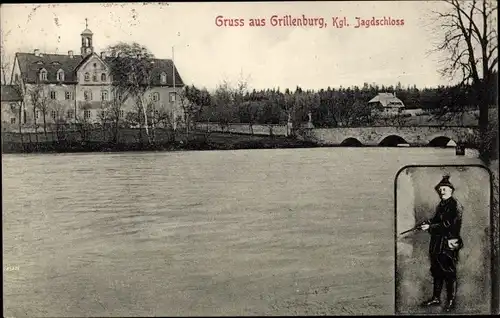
(445, 182)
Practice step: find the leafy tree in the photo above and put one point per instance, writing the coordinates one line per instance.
(222, 104)
(132, 66)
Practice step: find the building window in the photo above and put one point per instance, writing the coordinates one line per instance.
(25, 117)
(122, 113)
(163, 78)
(70, 114)
(37, 114)
(86, 114)
(104, 95)
(172, 97)
(87, 77)
(95, 65)
(13, 120)
(53, 114)
(87, 95)
(60, 75)
(103, 77)
(155, 96)
(94, 77)
(67, 95)
(53, 95)
(16, 78)
(43, 74)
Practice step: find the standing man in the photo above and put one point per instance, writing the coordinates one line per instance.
(444, 228)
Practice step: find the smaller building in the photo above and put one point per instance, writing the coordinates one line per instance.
(12, 110)
(386, 103)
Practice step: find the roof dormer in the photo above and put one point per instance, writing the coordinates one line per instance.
(43, 74)
(60, 75)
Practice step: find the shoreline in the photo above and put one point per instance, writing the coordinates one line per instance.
(96, 147)
(197, 144)
(196, 141)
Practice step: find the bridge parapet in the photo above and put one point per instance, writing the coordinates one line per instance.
(374, 136)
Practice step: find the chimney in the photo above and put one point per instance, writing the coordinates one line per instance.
(36, 52)
(103, 55)
(70, 54)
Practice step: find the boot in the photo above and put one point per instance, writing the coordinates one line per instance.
(451, 291)
(436, 294)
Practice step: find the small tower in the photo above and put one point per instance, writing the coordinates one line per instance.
(87, 47)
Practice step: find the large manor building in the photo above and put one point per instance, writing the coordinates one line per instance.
(76, 86)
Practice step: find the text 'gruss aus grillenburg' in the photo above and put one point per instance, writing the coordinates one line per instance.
(338, 22)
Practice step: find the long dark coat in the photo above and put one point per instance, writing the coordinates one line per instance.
(445, 225)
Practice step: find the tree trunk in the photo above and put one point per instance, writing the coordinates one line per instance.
(153, 126)
(140, 125)
(484, 138)
(115, 132)
(45, 125)
(187, 124)
(20, 125)
(36, 126)
(145, 119)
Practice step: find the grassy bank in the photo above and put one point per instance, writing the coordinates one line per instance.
(195, 141)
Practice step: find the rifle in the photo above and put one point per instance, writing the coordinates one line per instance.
(415, 228)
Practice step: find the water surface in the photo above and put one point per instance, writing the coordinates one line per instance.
(247, 232)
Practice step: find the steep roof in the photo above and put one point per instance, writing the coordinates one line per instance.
(9, 93)
(31, 65)
(387, 100)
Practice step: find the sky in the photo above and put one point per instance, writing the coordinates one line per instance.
(266, 57)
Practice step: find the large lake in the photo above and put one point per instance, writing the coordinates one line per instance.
(247, 232)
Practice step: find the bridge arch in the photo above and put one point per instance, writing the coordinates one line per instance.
(391, 141)
(442, 141)
(351, 142)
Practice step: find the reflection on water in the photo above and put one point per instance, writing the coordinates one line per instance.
(248, 232)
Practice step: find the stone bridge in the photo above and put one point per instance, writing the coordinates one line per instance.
(390, 136)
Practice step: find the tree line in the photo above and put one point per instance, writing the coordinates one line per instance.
(330, 107)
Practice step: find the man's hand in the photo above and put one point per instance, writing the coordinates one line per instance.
(424, 227)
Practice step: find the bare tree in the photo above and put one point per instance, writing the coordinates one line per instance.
(40, 103)
(17, 108)
(192, 101)
(83, 123)
(103, 116)
(470, 44)
(186, 106)
(165, 119)
(60, 121)
(249, 112)
(4, 60)
(114, 115)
